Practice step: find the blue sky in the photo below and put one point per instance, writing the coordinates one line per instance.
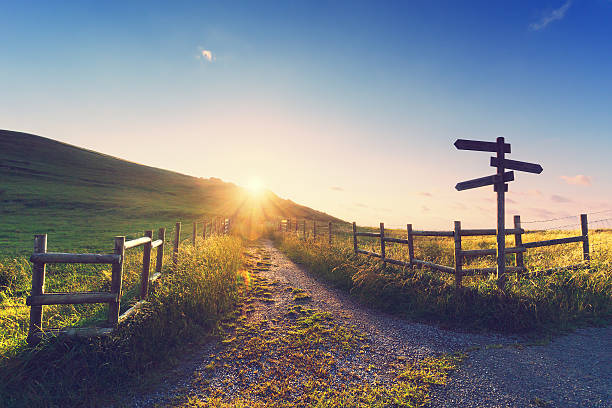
(349, 107)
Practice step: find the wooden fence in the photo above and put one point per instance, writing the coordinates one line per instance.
(308, 228)
(38, 298)
(460, 254)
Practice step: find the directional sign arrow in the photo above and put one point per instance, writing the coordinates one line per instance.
(517, 165)
(484, 181)
(464, 144)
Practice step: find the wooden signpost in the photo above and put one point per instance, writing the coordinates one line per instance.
(498, 180)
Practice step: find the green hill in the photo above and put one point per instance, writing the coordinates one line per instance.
(82, 198)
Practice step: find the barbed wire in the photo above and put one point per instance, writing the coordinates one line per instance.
(563, 218)
(566, 226)
(602, 220)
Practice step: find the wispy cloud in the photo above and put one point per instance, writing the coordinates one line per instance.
(542, 213)
(528, 193)
(425, 194)
(577, 180)
(336, 188)
(554, 15)
(560, 199)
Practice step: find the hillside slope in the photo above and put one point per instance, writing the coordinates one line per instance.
(82, 198)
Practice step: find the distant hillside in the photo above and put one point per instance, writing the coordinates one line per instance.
(82, 198)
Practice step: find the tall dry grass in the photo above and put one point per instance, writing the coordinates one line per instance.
(532, 301)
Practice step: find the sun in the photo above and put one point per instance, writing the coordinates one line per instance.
(255, 185)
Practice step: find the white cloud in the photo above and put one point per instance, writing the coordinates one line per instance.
(554, 15)
(578, 180)
(207, 54)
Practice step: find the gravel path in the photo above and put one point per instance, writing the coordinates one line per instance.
(572, 371)
(500, 371)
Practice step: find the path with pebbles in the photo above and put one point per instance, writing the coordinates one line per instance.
(499, 371)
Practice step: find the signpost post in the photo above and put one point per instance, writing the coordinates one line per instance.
(498, 180)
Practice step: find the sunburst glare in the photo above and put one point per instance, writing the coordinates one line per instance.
(255, 185)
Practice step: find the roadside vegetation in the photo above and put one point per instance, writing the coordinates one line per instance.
(533, 301)
(185, 306)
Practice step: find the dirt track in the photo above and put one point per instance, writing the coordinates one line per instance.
(499, 371)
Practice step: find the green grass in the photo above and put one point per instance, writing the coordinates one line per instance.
(184, 306)
(532, 302)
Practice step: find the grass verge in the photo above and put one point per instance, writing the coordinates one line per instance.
(532, 302)
(184, 306)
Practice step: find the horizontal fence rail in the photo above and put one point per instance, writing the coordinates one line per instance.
(40, 257)
(61, 257)
(460, 254)
(71, 298)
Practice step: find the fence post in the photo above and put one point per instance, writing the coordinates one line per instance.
(518, 242)
(410, 244)
(297, 222)
(204, 229)
(355, 237)
(38, 286)
(458, 255)
(116, 278)
(329, 228)
(585, 234)
(382, 244)
(146, 267)
(195, 232)
(177, 240)
(161, 234)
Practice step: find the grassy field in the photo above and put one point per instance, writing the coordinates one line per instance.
(184, 306)
(82, 199)
(532, 301)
